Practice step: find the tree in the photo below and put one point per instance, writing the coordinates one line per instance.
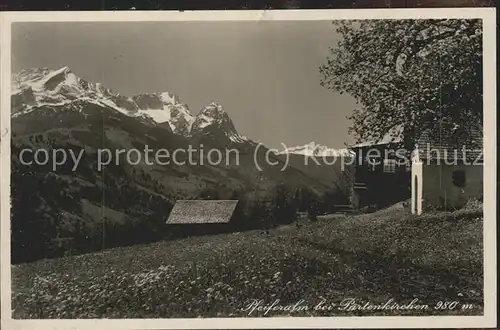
(312, 211)
(415, 74)
(284, 206)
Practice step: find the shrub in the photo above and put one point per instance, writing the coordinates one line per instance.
(474, 204)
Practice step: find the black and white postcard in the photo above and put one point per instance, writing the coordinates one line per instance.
(248, 169)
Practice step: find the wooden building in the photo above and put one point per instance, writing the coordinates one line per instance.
(381, 174)
(201, 217)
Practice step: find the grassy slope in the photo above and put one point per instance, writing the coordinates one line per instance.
(373, 257)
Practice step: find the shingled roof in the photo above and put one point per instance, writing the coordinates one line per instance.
(202, 211)
(463, 147)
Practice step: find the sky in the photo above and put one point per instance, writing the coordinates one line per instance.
(264, 73)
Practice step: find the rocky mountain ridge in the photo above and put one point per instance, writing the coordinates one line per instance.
(62, 88)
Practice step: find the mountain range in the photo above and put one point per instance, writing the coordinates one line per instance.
(62, 89)
(56, 109)
(317, 150)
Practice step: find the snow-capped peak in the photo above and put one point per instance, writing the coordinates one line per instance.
(212, 119)
(40, 79)
(314, 149)
(167, 97)
(213, 110)
(213, 113)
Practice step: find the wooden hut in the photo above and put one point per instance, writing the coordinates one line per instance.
(201, 217)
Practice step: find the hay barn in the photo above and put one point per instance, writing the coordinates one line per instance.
(201, 217)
